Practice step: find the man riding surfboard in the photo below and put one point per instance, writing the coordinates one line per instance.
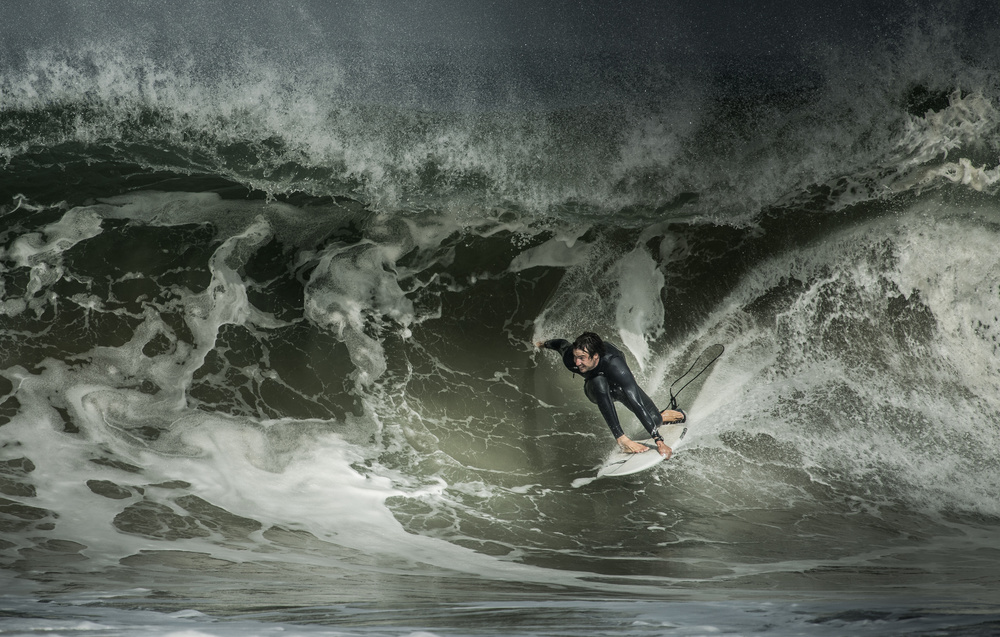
(607, 378)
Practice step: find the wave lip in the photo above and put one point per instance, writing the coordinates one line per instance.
(697, 142)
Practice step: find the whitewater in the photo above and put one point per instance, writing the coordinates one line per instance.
(271, 275)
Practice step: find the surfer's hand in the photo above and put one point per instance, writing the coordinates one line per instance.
(631, 446)
(664, 450)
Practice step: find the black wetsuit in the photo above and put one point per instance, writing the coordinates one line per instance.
(612, 380)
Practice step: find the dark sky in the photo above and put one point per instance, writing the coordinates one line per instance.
(716, 27)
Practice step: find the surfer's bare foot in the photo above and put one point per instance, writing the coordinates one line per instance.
(664, 450)
(672, 415)
(630, 446)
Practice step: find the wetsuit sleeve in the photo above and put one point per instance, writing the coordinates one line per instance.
(558, 344)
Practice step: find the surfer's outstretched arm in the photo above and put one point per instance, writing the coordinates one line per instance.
(558, 344)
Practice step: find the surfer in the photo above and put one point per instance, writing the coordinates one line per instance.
(607, 378)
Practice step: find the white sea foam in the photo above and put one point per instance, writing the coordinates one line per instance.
(870, 368)
(271, 122)
(640, 312)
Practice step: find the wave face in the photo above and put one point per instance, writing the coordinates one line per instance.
(270, 284)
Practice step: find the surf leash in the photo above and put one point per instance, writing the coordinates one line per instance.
(673, 396)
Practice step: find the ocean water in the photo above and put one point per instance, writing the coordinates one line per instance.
(270, 275)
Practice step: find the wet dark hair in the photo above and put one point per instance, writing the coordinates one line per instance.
(590, 343)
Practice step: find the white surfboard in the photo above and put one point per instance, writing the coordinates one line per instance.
(621, 463)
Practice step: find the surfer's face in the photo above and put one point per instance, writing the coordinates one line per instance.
(584, 361)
